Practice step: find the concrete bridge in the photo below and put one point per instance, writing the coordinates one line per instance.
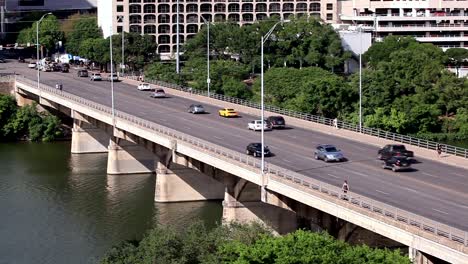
(190, 168)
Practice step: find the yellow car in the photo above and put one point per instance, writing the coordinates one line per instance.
(228, 112)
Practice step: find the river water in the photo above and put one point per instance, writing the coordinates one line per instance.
(58, 207)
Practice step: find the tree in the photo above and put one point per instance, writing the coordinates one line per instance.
(457, 56)
(162, 72)
(381, 51)
(95, 50)
(139, 49)
(49, 33)
(82, 27)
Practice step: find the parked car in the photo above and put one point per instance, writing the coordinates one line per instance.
(159, 93)
(196, 109)
(32, 65)
(255, 149)
(96, 77)
(82, 73)
(228, 112)
(277, 121)
(397, 163)
(144, 87)
(114, 77)
(46, 68)
(391, 150)
(2, 60)
(64, 67)
(21, 59)
(256, 125)
(328, 153)
(56, 67)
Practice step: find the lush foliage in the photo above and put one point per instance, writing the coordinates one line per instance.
(79, 28)
(26, 122)
(243, 244)
(49, 33)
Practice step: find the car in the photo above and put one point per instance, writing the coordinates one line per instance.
(328, 153)
(228, 112)
(196, 109)
(96, 77)
(397, 163)
(159, 93)
(21, 59)
(2, 60)
(46, 68)
(255, 149)
(64, 67)
(256, 125)
(277, 121)
(82, 73)
(32, 65)
(144, 87)
(391, 150)
(114, 77)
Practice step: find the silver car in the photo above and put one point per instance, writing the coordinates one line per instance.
(196, 109)
(328, 153)
(159, 93)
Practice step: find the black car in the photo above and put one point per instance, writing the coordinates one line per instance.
(21, 59)
(391, 150)
(82, 73)
(65, 67)
(397, 163)
(2, 60)
(255, 149)
(277, 121)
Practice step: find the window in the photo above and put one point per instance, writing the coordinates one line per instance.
(120, 8)
(31, 2)
(119, 0)
(329, 6)
(120, 19)
(119, 29)
(329, 16)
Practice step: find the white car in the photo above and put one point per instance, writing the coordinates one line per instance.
(144, 87)
(256, 125)
(32, 65)
(114, 77)
(159, 93)
(96, 77)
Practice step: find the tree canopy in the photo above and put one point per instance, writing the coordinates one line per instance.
(81, 27)
(49, 33)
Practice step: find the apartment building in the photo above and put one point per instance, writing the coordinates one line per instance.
(438, 21)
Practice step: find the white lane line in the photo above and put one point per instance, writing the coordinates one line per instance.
(411, 190)
(430, 175)
(291, 136)
(217, 137)
(382, 192)
(442, 212)
(285, 160)
(462, 206)
(458, 174)
(188, 128)
(361, 148)
(334, 176)
(360, 174)
(164, 120)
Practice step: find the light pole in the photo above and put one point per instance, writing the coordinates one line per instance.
(37, 47)
(112, 78)
(208, 80)
(177, 40)
(123, 46)
(262, 107)
(360, 78)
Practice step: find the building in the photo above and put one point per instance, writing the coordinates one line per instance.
(438, 21)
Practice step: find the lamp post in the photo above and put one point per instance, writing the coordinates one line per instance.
(177, 40)
(360, 78)
(123, 46)
(112, 78)
(37, 47)
(262, 107)
(208, 80)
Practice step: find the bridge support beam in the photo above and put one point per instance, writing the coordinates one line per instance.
(86, 137)
(178, 181)
(126, 157)
(22, 99)
(242, 204)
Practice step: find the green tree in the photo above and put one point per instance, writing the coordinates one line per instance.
(162, 72)
(95, 50)
(381, 51)
(456, 57)
(49, 33)
(139, 50)
(84, 27)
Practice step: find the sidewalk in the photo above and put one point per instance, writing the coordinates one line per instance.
(362, 138)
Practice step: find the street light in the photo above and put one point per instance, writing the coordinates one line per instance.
(112, 78)
(360, 78)
(37, 47)
(177, 40)
(208, 81)
(262, 107)
(123, 45)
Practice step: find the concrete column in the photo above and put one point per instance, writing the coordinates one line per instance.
(242, 204)
(182, 184)
(128, 158)
(22, 100)
(86, 138)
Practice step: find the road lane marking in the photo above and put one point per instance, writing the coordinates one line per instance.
(458, 174)
(411, 190)
(382, 192)
(164, 120)
(360, 174)
(285, 160)
(462, 206)
(334, 176)
(361, 148)
(442, 212)
(291, 136)
(217, 137)
(430, 175)
(188, 128)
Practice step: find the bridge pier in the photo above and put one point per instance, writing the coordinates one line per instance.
(242, 203)
(87, 137)
(125, 157)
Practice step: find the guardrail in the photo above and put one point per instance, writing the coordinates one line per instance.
(291, 178)
(449, 149)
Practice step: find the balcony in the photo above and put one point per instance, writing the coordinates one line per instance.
(422, 28)
(409, 16)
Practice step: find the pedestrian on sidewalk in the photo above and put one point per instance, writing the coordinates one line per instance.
(439, 150)
(345, 190)
(335, 123)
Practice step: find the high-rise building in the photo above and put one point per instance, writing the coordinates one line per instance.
(442, 22)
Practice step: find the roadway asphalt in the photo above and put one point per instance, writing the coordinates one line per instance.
(434, 190)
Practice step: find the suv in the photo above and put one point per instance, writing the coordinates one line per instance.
(257, 125)
(277, 121)
(328, 153)
(397, 163)
(196, 109)
(394, 150)
(82, 73)
(159, 93)
(96, 77)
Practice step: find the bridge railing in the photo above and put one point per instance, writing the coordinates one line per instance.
(277, 173)
(423, 143)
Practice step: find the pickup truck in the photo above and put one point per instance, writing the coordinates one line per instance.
(256, 125)
(392, 150)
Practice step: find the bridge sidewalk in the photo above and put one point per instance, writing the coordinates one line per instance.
(362, 138)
